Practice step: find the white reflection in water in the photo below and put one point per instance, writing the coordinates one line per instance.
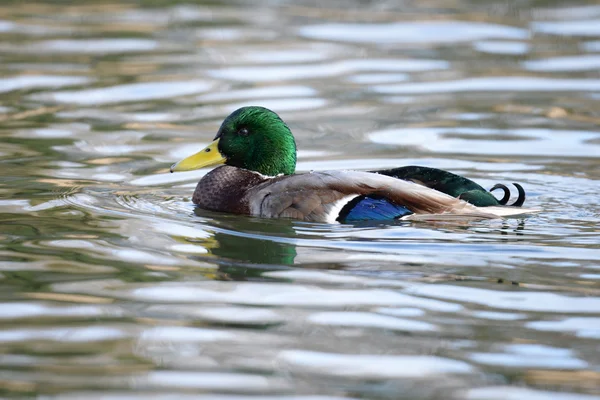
(316, 276)
(161, 179)
(316, 53)
(71, 334)
(210, 381)
(516, 393)
(412, 32)
(175, 229)
(518, 361)
(570, 12)
(39, 81)
(531, 356)
(16, 310)
(538, 350)
(367, 79)
(239, 315)
(324, 163)
(283, 104)
(477, 140)
(580, 326)
(586, 27)
(14, 205)
(131, 92)
(498, 316)
(108, 177)
(189, 248)
(142, 395)
(279, 73)
(185, 334)
(258, 93)
(513, 300)
(6, 26)
(368, 320)
(573, 63)
(401, 312)
(501, 47)
(52, 133)
(591, 46)
(281, 294)
(370, 366)
(73, 244)
(94, 46)
(494, 84)
(226, 34)
(143, 257)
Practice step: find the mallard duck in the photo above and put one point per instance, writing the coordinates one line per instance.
(258, 178)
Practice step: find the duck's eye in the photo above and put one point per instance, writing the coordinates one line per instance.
(243, 132)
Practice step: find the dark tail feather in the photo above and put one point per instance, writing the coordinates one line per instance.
(506, 196)
(520, 200)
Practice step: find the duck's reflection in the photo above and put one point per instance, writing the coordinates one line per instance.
(239, 243)
(242, 241)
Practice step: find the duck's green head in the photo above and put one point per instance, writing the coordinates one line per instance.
(253, 138)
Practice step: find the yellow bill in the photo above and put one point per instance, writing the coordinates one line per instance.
(206, 157)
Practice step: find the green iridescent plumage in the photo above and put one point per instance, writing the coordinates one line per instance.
(445, 182)
(258, 140)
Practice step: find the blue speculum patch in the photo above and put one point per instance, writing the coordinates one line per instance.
(371, 208)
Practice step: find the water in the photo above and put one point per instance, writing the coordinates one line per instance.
(114, 287)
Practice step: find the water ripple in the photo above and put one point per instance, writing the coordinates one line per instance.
(370, 366)
(494, 84)
(574, 63)
(132, 92)
(412, 32)
(493, 141)
(40, 81)
(589, 27)
(514, 393)
(282, 73)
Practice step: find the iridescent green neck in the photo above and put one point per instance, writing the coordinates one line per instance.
(274, 157)
(256, 139)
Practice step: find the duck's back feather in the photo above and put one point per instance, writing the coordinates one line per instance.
(445, 182)
(313, 196)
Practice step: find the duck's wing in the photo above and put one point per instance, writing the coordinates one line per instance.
(438, 179)
(320, 196)
(451, 184)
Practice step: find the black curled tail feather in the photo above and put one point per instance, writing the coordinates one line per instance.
(521, 198)
(504, 200)
(506, 191)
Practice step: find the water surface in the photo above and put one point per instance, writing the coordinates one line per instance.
(114, 286)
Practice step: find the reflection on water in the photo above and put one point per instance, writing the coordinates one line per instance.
(114, 286)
